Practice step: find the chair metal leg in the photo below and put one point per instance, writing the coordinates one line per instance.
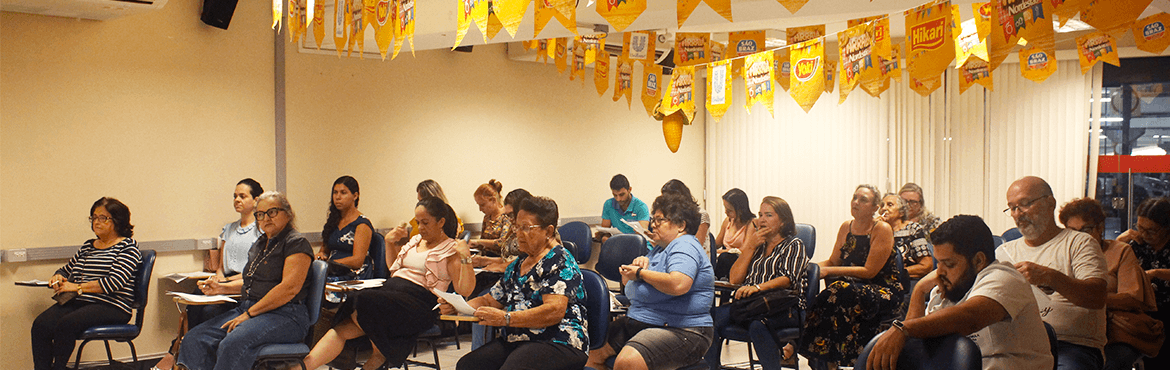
(109, 354)
(133, 351)
(80, 348)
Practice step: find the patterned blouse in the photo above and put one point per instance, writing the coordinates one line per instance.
(1155, 260)
(911, 242)
(499, 229)
(556, 273)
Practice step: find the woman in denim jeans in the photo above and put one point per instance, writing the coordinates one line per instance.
(272, 310)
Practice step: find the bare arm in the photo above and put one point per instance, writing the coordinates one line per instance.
(751, 242)
(920, 269)
(835, 258)
(462, 275)
(880, 246)
(292, 278)
(704, 229)
(214, 260)
(1087, 293)
(361, 246)
(719, 238)
(673, 283)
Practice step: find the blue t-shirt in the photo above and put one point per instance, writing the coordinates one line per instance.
(692, 309)
(636, 211)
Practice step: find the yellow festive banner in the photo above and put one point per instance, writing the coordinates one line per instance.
(968, 44)
(793, 6)
(855, 46)
(403, 25)
(975, 71)
(876, 88)
(1113, 15)
(893, 67)
(340, 25)
(493, 22)
(718, 51)
(594, 44)
(757, 79)
(651, 89)
(294, 18)
(808, 74)
(384, 26)
(782, 67)
(470, 11)
(1066, 9)
(691, 48)
(830, 75)
(798, 35)
(601, 75)
(560, 53)
(510, 13)
(1033, 23)
(741, 43)
(679, 94)
(1000, 42)
(623, 81)
(542, 50)
(880, 25)
(319, 22)
(982, 12)
(620, 13)
(686, 7)
(369, 15)
(1150, 33)
(639, 46)
(577, 69)
(1037, 64)
(930, 44)
(549, 9)
(357, 30)
(925, 86)
(718, 88)
(1097, 47)
(277, 13)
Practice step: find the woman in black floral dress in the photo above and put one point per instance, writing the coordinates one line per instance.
(864, 287)
(1151, 238)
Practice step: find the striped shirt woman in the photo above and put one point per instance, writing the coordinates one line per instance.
(113, 268)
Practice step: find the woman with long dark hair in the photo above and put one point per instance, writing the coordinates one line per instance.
(347, 234)
(733, 232)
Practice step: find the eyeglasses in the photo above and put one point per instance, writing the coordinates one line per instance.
(270, 213)
(1025, 205)
(527, 228)
(658, 220)
(1088, 228)
(913, 202)
(102, 219)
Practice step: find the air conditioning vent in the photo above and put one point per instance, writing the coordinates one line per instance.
(84, 9)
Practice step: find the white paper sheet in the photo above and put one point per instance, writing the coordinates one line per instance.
(457, 301)
(178, 277)
(638, 229)
(195, 298)
(359, 284)
(33, 282)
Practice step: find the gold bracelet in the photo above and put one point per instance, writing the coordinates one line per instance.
(80, 290)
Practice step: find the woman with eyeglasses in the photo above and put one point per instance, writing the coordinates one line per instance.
(538, 304)
(346, 236)
(1151, 236)
(864, 287)
(676, 186)
(393, 315)
(1129, 288)
(100, 277)
(272, 303)
(668, 324)
(235, 240)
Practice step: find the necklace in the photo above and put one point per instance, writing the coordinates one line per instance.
(256, 264)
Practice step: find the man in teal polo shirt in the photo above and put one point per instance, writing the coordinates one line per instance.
(623, 206)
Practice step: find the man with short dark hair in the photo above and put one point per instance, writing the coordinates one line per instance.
(1067, 271)
(623, 206)
(971, 294)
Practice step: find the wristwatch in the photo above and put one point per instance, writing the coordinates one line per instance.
(465, 260)
(897, 324)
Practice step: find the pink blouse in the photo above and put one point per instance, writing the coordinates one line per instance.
(733, 238)
(435, 276)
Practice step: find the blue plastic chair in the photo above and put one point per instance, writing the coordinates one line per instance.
(1011, 234)
(596, 308)
(295, 352)
(377, 252)
(571, 247)
(956, 352)
(997, 239)
(619, 250)
(1051, 342)
(124, 332)
(807, 234)
(793, 334)
(578, 232)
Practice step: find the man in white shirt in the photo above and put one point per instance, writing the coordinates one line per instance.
(988, 301)
(1067, 271)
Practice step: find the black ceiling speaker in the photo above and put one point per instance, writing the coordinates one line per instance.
(218, 13)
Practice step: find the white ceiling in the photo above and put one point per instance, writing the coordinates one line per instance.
(436, 20)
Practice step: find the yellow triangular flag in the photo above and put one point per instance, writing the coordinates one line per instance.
(1097, 47)
(781, 67)
(757, 79)
(639, 46)
(1037, 64)
(319, 22)
(340, 25)
(510, 13)
(651, 89)
(384, 26)
(679, 93)
(403, 25)
(975, 71)
(623, 82)
(931, 46)
(686, 7)
(549, 9)
(793, 6)
(561, 53)
(620, 13)
(468, 12)
(692, 48)
(1150, 33)
(718, 88)
(1112, 16)
(808, 74)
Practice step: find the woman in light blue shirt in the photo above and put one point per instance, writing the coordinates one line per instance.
(671, 290)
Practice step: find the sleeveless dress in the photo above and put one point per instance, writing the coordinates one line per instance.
(340, 244)
(850, 311)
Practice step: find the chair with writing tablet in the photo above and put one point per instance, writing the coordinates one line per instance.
(124, 332)
(295, 352)
(578, 232)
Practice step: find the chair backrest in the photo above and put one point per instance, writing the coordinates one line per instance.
(377, 253)
(808, 235)
(1011, 234)
(596, 308)
(713, 248)
(953, 351)
(578, 232)
(812, 286)
(1051, 342)
(997, 239)
(619, 250)
(142, 284)
(465, 236)
(316, 278)
(571, 247)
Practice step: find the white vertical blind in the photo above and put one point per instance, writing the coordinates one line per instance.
(963, 149)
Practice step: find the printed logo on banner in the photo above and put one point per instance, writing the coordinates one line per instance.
(807, 68)
(680, 90)
(625, 76)
(638, 42)
(759, 80)
(718, 79)
(1154, 31)
(383, 12)
(406, 16)
(786, 67)
(652, 84)
(1037, 60)
(927, 36)
(746, 46)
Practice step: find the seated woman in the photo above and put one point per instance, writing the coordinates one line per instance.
(346, 235)
(733, 232)
(431, 188)
(394, 315)
(228, 262)
(272, 307)
(668, 324)
(678, 187)
(493, 267)
(101, 274)
(865, 287)
(539, 303)
(777, 261)
(1150, 239)
(496, 223)
(909, 237)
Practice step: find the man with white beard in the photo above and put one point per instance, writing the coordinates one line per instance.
(1067, 271)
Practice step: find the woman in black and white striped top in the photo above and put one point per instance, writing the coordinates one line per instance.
(778, 261)
(102, 276)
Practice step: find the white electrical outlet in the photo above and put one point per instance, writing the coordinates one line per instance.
(206, 244)
(17, 255)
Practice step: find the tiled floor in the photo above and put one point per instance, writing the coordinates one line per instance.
(733, 354)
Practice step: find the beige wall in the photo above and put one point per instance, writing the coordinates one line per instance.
(167, 114)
